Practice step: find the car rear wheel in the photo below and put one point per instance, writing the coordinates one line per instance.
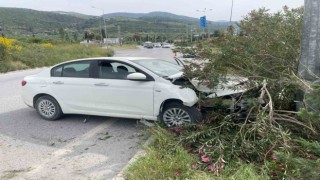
(176, 114)
(48, 108)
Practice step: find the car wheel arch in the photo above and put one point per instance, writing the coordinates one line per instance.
(168, 101)
(36, 97)
(194, 114)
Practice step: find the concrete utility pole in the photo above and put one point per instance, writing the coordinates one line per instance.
(187, 34)
(119, 35)
(231, 13)
(309, 66)
(105, 25)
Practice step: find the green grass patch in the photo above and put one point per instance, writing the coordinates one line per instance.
(164, 160)
(169, 157)
(30, 55)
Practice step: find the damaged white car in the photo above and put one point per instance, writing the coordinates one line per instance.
(139, 88)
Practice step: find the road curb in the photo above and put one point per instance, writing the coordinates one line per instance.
(140, 153)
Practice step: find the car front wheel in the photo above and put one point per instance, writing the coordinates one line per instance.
(48, 108)
(176, 114)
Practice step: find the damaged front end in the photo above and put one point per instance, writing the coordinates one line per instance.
(228, 96)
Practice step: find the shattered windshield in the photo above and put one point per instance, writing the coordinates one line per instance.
(160, 67)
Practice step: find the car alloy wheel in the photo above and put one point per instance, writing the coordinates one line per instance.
(176, 114)
(47, 108)
(176, 117)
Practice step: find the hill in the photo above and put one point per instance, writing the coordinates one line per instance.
(150, 14)
(17, 22)
(31, 21)
(78, 15)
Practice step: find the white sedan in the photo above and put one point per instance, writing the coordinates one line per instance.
(138, 88)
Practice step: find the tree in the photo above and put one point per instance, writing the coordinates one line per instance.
(61, 33)
(136, 37)
(216, 33)
(103, 33)
(75, 37)
(88, 35)
(269, 50)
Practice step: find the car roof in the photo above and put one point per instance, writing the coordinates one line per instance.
(124, 59)
(114, 58)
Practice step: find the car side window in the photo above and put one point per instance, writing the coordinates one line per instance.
(114, 70)
(57, 71)
(75, 69)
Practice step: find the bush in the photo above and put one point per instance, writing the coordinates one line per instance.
(3, 52)
(6, 46)
(267, 53)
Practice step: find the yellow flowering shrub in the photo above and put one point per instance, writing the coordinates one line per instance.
(8, 47)
(8, 43)
(47, 45)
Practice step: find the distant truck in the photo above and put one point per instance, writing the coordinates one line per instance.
(148, 44)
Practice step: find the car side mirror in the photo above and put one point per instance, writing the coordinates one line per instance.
(136, 76)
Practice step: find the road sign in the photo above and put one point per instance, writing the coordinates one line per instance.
(203, 21)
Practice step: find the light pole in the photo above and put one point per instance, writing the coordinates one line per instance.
(105, 26)
(231, 12)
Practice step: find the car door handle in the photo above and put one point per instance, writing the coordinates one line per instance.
(57, 82)
(101, 84)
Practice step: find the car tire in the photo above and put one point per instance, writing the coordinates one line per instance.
(48, 108)
(176, 114)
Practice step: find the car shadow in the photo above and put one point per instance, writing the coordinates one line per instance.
(25, 124)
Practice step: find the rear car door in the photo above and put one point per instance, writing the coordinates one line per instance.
(71, 85)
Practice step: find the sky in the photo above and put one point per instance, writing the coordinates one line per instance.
(213, 9)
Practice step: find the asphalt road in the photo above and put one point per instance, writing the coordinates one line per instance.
(75, 147)
(162, 53)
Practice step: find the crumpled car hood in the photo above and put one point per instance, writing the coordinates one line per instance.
(233, 85)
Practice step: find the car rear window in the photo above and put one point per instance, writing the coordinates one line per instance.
(75, 69)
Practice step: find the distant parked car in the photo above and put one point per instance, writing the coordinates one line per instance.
(148, 44)
(166, 45)
(157, 45)
(189, 55)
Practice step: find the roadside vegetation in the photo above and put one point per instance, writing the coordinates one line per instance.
(273, 141)
(16, 55)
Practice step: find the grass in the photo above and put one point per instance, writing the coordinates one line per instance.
(13, 173)
(31, 55)
(169, 158)
(166, 159)
(243, 171)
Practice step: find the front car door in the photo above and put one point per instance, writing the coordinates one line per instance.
(115, 95)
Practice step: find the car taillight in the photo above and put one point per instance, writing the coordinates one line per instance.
(23, 82)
